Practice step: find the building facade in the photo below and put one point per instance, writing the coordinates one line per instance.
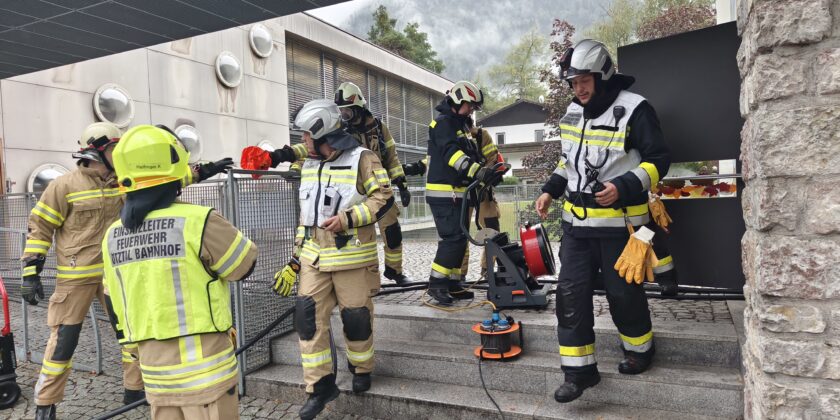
(221, 91)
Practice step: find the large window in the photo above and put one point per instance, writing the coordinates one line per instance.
(404, 107)
(500, 138)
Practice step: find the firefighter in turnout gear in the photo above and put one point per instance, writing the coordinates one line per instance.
(488, 207)
(344, 190)
(74, 211)
(454, 161)
(613, 151)
(373, 135)
(178, 259)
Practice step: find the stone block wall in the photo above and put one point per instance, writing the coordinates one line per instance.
(790, 98)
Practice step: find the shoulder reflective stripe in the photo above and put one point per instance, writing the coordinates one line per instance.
(433, 124)
(316, 359)
(198, 366)
(180, 308)
(599, 213)
(652, 172)
(577, 351)
(577, 361)
(36, 246)
(456, 158)
(360, 357)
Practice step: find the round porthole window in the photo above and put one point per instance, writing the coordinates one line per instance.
(261, 40)
(191, 139)
(228, 69)
(43, 175)
(112, 103)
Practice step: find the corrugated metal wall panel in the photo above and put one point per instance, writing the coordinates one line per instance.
(304, 75)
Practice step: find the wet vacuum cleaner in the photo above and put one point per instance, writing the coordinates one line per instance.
(511, 283)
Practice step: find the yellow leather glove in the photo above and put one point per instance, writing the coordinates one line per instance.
(284, 280)
(634, 263)
(659, 214)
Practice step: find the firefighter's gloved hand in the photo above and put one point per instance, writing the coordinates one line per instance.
(405, 194)
(636, 262)
(659, 214)
(416, 168)
(284, 280)
(209, 170)
(489, 176)
(31, 288)
(286, 154)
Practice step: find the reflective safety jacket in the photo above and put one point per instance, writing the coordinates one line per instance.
(168, 282)
(353, 186)
(75, 208)
(160, 287)
(630, 152)
(453, 157)
(373, 136)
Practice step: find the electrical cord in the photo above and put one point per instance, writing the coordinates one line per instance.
(484, 385)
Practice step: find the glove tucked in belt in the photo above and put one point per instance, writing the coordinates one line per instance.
(636, 262)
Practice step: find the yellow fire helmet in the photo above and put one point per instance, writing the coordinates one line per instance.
(147, 156)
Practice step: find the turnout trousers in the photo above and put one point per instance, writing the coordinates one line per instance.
(318, 293)
(68, 306)
(452, 244)
(580, 260)
(389, 228)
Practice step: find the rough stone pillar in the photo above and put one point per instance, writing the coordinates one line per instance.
(790, 97)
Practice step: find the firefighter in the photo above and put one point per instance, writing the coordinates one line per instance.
(74, 211)
(373, 135)
(613, 151)
(488, 207)
(176, 258)
(343, 192)
(453, 161)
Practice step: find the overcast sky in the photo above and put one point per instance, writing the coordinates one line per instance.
(469, 36)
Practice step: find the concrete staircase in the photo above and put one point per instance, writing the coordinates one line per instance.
(425, 369)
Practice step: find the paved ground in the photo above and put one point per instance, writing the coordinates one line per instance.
(88, 395)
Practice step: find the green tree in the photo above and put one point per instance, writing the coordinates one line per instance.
(411, 43)
(619, 26)
(518, 75)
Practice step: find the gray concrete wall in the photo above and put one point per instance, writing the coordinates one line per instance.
(790, 97)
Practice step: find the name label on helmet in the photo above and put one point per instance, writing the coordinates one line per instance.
(155, 238)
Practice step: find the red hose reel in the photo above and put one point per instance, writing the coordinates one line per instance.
(537, 250)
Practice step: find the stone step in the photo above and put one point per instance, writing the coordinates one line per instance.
(713, 391)
(394, 398)
(693, 343)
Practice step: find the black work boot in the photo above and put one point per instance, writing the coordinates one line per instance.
(400, 278)
(130, 396)
(636, 363)
(573, 388)
(458, 292)
(325, 391)
(45, 412)
(438, 290)
(667, 282)
(361, 381)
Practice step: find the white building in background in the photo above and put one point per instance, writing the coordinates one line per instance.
(518, 129)
(224, 90)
